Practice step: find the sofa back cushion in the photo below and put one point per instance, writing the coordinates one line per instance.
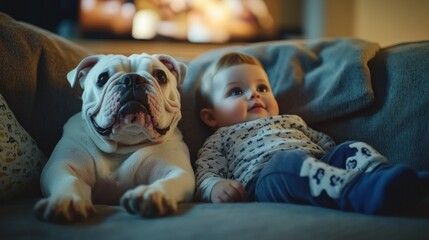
(397, 122)
(34, 64)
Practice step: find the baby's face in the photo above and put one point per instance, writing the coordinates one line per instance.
(242, 93)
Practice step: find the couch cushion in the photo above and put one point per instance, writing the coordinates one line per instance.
(227, 221)
(34, 64)
(397, 123)
(318, 80)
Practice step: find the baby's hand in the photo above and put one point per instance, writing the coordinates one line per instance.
(228, 191)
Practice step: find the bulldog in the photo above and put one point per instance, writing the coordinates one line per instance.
(124, 147)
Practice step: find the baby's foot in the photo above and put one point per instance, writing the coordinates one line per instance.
(386, 190)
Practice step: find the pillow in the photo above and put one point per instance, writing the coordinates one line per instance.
(21, 160)
(318, 80)
(34, 64)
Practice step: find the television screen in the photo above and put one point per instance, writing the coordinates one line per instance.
(208, 21)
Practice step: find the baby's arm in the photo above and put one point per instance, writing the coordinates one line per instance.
(211, 167)
(228, 191)
(211, 173)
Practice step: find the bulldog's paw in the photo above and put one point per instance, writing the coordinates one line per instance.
(63, 209)
(148, 201)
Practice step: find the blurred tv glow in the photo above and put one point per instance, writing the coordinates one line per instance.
(184, 20)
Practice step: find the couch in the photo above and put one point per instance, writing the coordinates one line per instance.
(349, 88)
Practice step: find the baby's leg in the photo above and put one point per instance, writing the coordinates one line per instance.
(380, 187)
(293, 176)
(387, 190)
(424, 179)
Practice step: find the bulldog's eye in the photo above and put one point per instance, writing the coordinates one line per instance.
(102, 79)
(160, 76)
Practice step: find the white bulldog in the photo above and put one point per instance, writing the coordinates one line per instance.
(124, 146)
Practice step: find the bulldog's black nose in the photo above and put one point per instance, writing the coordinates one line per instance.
(132, 87)
(130, 80)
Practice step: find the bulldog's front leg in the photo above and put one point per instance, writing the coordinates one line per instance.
(72, 203)
(160, 198)
(166, 178)
(65, 183)
(148, 201)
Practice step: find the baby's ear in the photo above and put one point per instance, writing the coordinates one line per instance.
(207, 116)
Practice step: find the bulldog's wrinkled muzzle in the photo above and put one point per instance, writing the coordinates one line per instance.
(132, 88)
(132, 85)
(133, 100)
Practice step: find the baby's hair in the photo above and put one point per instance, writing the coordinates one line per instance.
(225, 61)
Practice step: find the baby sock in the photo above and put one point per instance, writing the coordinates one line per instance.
(361, 157)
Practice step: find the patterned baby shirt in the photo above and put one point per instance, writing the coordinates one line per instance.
(239, 152)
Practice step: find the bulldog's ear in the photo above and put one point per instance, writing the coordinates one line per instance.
(82, 69)
(177, 68)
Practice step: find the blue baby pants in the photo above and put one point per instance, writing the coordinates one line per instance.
(352, 177)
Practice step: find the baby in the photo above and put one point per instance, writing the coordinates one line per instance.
(258, 155)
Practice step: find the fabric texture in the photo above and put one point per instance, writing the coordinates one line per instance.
(34, 64)
(396, 123)
(21, 160)
(228, 221)
(317, 80)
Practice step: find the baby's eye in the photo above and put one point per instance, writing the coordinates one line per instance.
(235, 92)
(262, 88)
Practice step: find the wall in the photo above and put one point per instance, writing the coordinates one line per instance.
(392, 21)
(328, 18)
(287, 16)
(384, 21)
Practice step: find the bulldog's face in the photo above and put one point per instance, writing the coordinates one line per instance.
(130, 100)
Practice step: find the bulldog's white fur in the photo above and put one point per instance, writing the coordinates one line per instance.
(124, 146)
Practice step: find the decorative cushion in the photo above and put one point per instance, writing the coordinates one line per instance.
(21, 160)
(319, 80)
